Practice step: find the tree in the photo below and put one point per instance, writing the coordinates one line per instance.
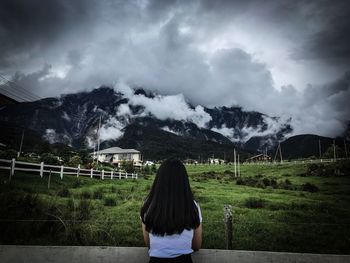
(8, 154)
(329, 153)
(49, 158)
(128, 166)
(75, 161)
(154, 168)
(146, 169)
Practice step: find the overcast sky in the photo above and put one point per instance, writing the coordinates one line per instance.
(282, 58)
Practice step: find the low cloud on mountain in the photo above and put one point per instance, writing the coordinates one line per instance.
(282, 58)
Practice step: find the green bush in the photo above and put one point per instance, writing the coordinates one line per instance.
(86, 194)
(75, 161)
(309, 187)
(253, 202)
(77, 183)
(83, 210)
(110, 201)
(49, 158)
(63, 192)
(97, 194)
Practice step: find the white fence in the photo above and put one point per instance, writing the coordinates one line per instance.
(295, 161)
(42, 168)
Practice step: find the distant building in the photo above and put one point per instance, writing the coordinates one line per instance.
(190, 161)
(216, 161)
(259, 158)
(116, 155)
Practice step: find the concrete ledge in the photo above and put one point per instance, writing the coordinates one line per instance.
(87, 254)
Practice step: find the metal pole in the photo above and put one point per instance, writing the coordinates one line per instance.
(346, 149)
(319, 148)
(48, 184)
(20, 146)
(234, 161)
(239, 167)
(228, 225)
(98, 139)
(279, 144)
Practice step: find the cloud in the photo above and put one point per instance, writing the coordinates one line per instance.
(52, 137)
(112, 129)
(259, 55)
(270, 128)
(172, 107)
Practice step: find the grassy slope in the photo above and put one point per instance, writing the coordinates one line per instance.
(289, 220)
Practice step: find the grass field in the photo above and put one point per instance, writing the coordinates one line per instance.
(275, 208)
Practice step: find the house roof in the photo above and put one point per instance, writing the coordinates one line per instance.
(118, 150)
(256, 156)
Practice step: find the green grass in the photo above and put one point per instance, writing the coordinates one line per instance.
(88, 211)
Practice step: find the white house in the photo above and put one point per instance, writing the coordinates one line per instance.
(116, 155)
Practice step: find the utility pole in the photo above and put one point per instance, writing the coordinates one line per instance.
(239, 167)
(279, 146)
(234, 161)
(334, 156)
(98, 139)
(346, 150)
(20, 146)
(319, 148)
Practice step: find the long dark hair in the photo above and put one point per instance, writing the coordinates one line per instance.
(169, 207)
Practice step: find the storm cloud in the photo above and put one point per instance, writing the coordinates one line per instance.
(282, 58)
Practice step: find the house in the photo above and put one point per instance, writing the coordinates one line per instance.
(259, 158)
(216, 161)
(116, 155)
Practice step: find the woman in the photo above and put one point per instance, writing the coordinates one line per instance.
(171, 219)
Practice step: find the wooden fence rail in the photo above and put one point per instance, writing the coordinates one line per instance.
(42, 168)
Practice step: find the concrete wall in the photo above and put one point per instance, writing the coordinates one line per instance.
(55, 254)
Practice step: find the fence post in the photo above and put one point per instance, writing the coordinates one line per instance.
(48, 184)
(126, 175)
(112, 174)
(61, 174)
(12, 171)
(136, 175)
(41, 169)
(103, 174)
(120, 175)
(78, 170)
(91, 172)
(228, 225)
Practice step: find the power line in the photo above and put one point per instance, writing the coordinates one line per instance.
(11, 92)
(17, 90)
(21, 88)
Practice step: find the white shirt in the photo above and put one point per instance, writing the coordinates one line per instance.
(170, 246)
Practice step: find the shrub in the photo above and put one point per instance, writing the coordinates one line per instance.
(97, 194)
(70, 204)
(308, 187)
(63, 192)
(154, 168)
(253, 202)
(49, 158)
(110, 201)
(75, 161)
(86, 194)
(83, 210)
(77, 183)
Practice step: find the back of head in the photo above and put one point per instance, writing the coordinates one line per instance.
(169, 207)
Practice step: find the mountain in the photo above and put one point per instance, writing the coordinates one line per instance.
(160, 125)
(309, 145)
